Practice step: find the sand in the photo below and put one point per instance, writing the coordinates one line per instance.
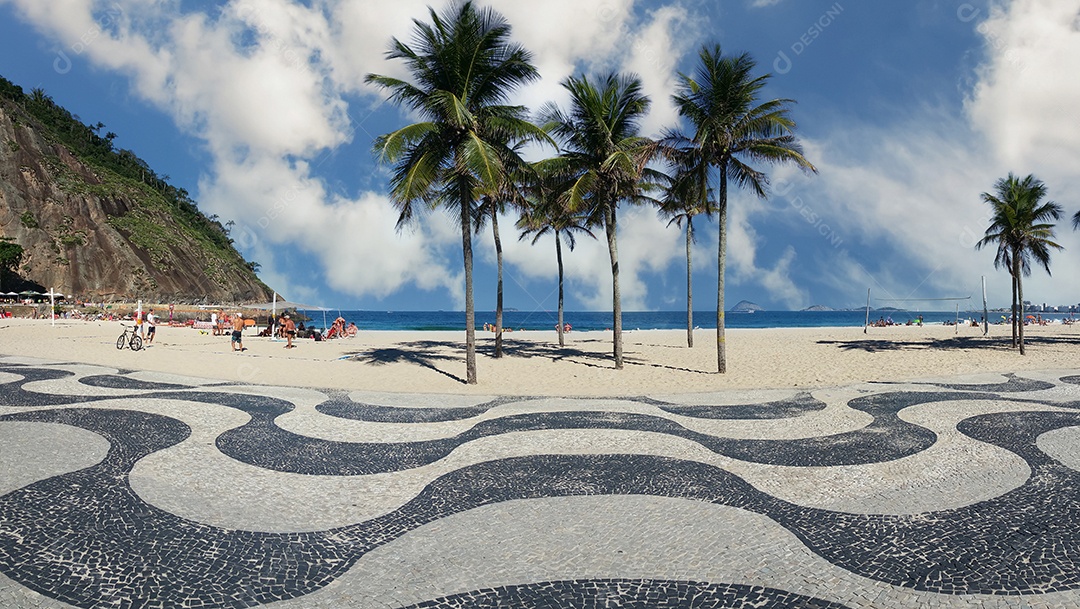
(656, 361)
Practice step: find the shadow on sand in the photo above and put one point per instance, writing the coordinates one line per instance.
(432, 354)
(961, 343)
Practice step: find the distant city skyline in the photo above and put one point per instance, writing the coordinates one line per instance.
(910, 111)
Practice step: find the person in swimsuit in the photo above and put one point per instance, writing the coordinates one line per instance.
(238, 332)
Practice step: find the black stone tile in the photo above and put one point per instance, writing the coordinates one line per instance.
(627, 594)
(780, 409)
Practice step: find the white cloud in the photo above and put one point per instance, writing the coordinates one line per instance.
(360, 35)
(654, 54)
(742, 266)
(1022, 102)
(356, 241)
(591, 43)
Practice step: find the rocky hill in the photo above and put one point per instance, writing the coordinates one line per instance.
(745, 306)
(101, 225)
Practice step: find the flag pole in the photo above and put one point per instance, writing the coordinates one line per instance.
(866, 324)
(273, 318)
(986, 312)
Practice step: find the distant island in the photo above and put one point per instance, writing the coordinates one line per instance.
(818, 308)
(745, 306)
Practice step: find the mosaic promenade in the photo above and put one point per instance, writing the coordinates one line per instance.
(138, 489)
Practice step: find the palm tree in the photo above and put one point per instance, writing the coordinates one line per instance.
(39, 96)
(687, 196)
(1021, 233)
(463, 67)
(602, 150)
(547, 213)
(731, 130)
(491, 205)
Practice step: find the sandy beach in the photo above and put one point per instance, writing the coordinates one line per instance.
(657, 361)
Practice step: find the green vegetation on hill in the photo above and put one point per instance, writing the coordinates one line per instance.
(122, 173)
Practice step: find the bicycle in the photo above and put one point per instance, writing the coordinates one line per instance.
(129, 338)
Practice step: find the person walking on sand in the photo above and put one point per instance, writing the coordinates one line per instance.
(290, 332)
(238, 332)
(151, 327)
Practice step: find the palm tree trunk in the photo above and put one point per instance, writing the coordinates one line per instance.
(470, 312)
(613, 252)
(558, 256)
(1013, 308)
(1019, 306)
(499, 289)
(721, 264)
(689, 285)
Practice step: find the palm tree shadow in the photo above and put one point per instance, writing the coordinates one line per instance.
(1002, 343)
(431, 354)
(591, 359)
(423, 353)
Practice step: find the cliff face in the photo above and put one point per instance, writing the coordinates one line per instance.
(95, 234)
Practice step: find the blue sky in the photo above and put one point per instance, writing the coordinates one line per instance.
(909, 110)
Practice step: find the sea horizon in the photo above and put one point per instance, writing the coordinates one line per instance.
(644, 320)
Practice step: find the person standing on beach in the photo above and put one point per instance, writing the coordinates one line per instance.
(238, 332)
(290, 332)
(151, 327)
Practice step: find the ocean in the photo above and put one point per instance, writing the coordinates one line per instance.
(633, 320)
